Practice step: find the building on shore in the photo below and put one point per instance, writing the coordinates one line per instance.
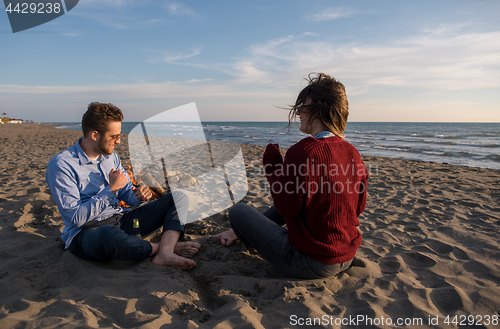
(9, 120)
(6, 119)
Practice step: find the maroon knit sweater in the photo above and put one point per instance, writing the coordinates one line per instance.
(320, 189)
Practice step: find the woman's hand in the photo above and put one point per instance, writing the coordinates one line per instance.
(271, 158)
(227, 238)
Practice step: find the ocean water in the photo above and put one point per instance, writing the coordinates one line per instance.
(465, 144)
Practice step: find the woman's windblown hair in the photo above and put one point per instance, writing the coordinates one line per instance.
(328, 103)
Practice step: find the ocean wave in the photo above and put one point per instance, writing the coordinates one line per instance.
(434, 152)
(422, 135)
(477, 145)
(448, 137)
(369, 137)
(399, 148)
(492, 157)
(413, 141)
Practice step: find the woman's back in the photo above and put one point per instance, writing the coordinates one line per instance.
(320, 192)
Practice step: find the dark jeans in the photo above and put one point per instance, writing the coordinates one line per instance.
(112, 240)
(265, 233)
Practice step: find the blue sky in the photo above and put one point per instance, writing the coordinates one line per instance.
(420, 61)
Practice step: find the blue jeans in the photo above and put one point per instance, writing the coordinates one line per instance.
(265, 233)
(112, 241)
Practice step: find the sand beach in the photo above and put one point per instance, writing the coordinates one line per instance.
(430, 256)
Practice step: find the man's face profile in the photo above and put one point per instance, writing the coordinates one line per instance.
(107, 141)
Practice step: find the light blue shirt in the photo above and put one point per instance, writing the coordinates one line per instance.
(324, 133)
(79, 187)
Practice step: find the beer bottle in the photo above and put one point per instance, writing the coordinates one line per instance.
(136, 232)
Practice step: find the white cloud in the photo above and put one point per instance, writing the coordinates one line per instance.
(332, 13)
(176, 8)
(130, 14)
(198, 80)
(120, 20)
(72, 34)
(442, 59)
(248, 69)
(172, 58)
(191, 89)
(110, 3)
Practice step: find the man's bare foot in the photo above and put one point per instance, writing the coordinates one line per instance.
(227, 238)
(173, 260)
(186, 249)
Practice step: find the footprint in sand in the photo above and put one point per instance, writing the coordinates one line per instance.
(439, 247)
(482, 271)
(423, 201)
(390, 265)
(16, 306)
(469, 204)
(422, 249)
(385, 283)
(419, 260)
(460, 254)
(429, 279)
(447, 300)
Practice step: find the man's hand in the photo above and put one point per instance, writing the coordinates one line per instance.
(117, 180)
(142, 192)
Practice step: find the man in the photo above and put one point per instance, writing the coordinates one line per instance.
(87, 182)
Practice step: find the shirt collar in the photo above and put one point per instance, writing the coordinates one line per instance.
(84, 159)
(324, 133)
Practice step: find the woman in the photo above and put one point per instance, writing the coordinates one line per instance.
(319, 190)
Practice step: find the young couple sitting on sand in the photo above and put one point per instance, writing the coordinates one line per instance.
(319, 190)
